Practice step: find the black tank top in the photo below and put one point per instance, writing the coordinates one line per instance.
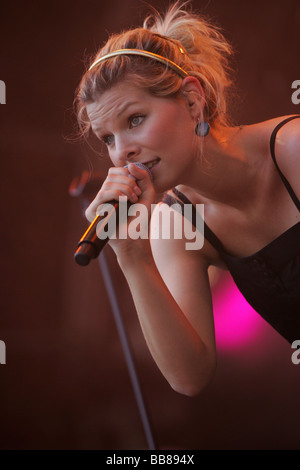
(269, 279)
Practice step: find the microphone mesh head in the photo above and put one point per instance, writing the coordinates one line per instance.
(143, 167)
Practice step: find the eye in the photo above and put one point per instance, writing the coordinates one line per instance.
(107, 139)
(135, 120)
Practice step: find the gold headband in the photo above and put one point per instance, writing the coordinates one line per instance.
(182, 73)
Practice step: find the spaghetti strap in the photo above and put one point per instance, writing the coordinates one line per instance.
(272, 150)
(208, 233)
(269, 278)
(181, 199)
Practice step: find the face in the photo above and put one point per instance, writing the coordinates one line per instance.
(139, 127)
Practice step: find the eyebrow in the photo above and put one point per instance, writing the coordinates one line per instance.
(127, 105)
(120, 112)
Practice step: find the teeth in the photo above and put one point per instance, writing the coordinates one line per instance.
(151, 164)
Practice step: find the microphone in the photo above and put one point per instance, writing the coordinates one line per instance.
(90, 245)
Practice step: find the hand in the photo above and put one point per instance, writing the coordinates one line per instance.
(133, 184)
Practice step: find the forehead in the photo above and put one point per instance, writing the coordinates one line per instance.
(113, 102)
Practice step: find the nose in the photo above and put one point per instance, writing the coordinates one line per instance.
(126, 149)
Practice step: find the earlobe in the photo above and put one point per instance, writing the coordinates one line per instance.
(194, 95)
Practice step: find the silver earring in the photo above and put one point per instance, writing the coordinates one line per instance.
(202, 129)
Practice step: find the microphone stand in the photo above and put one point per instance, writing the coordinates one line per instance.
(85, 187)
(126, 349)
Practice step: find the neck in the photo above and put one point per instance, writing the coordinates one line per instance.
(230, 171)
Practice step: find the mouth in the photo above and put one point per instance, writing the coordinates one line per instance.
(152, 163)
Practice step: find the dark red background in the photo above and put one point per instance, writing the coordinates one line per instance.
(65, 384)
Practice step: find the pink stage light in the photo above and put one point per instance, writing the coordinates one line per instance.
(236, 322)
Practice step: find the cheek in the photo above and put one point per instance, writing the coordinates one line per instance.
(171, 134)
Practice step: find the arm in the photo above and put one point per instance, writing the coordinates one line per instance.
(287, 151)
(170, 289)
(171, 292)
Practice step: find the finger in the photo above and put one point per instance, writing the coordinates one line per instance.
(108, 195)
(126, 185)
(141, 176)
(123, 176)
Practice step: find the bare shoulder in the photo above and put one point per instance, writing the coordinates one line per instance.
(287, 150)
(287, 143)
(183, 240)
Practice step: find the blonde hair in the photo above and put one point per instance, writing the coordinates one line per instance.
(181, 36)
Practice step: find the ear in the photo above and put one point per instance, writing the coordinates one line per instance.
(194, 96)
